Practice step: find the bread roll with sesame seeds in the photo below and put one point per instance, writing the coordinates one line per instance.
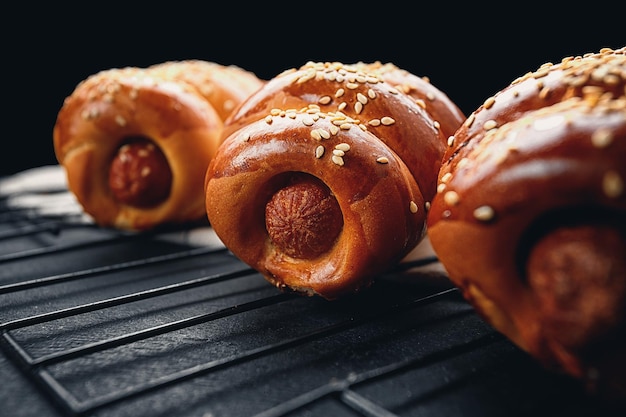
(324, 176)
(529, 218)
(135, 142)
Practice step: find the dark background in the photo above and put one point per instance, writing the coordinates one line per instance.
(469, 52)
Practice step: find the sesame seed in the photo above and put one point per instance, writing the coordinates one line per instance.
(120, 120)
(338, 152)
(315, 134)
(386, 120)
(345, 126)
(427, 205)
(489, 102)
(245, 137)
(275, 112)
(358, 107)
(441, 187)
(340, 92)
(484, 213)
(323, 133)
(145, 172)
(342, 106)
(325, 100)
(446, 177)
(371, 94)
(343, 147)
(490, 124)
(361, 98)
(374, 122)
(451, 140)
(268, 119)
(337, 160)
(382, 160)
(308, 121)
(352, 86)
(319, 151)
(612, 184)
(602, 138)
(451, 198)
(413, 207)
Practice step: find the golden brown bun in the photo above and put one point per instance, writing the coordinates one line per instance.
(324, 177)
(529, 218)
(135, 142)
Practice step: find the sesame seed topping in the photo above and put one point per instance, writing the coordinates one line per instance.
(382, 160)
(352, 86)
(371, 93)
(268, 119)
(337, 160)
(358, 107)
(489, 102)
(490, 124)
(451, 198)
(308, 121)
(446, 177)
(345, 126)
(338, 152)
(340, 92)
(441, 187)
(451, 140)
(145, 171)
(374, 122)
(325, 100)
(361, 98)
(413, 207)
(246, 136)
(484, 213)
(120, 120)
(386, 120)
(602, 138)
(612, 184)
(315, 134)
(343, 147)
(319, 151)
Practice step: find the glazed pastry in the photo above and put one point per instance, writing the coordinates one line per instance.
(325, 174)
(135, 142)
(530, 213)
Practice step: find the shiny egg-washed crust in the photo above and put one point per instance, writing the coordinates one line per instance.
(179, 106)
(546, 153)
(376, 148)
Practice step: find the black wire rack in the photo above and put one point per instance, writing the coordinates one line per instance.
(96, 322)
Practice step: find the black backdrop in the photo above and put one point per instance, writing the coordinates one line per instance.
(468, 51)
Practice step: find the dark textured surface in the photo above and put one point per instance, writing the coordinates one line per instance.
(161, 325)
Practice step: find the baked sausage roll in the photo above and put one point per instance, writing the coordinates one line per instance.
(324, 176)
(136, 142)
(530, 213)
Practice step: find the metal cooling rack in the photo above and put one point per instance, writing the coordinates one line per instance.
(95, 322)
